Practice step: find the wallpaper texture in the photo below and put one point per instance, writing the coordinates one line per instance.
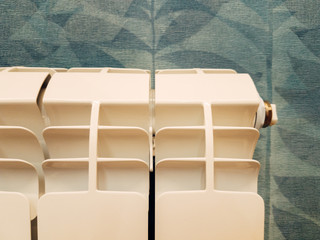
(277, 42)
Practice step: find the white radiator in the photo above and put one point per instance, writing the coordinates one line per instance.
(77, 147)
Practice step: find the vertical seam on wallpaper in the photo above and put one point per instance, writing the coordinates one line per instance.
(153, 67)
(269, 96)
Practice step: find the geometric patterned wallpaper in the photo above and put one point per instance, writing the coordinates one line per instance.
(276, 41)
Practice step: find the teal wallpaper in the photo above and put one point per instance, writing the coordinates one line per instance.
(277, 42)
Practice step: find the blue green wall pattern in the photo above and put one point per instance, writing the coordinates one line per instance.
(277, 42)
